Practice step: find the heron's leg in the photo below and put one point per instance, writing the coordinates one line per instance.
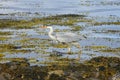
(80, 51)
(69, 50)
(52, 42)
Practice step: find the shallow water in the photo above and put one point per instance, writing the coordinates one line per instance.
(30, 8)
(36, 40)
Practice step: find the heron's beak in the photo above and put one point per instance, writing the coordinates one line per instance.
(43, 27)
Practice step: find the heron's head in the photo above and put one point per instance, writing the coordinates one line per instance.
(43, 26)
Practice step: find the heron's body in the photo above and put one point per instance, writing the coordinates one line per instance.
(64, 37)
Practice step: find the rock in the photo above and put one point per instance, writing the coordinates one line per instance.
(56, 77)
(5, 76)
(58, 72)
(2, 77)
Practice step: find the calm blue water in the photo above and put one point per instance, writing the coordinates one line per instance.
(33, 8)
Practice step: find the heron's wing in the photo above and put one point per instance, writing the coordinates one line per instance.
(67, 37)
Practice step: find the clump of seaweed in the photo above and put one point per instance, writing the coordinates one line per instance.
(66, 19)
(97, 47)
(105, 65)
(6, 33)
(115, 50)
(2, 55)
(107, 23)
(12, 48)
(76, 28)
(4, 38)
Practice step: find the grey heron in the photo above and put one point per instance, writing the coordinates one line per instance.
(66, 37)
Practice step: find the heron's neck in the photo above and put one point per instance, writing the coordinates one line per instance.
(50, 33)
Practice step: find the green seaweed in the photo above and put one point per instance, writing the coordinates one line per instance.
(76, 28)
(11, 48)
(107, 23)
(4, 38)
(67, 19)
(2, 55)
(97, 47)
(6, 33)
(111, 50)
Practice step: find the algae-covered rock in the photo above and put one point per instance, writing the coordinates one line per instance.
(98, 68)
